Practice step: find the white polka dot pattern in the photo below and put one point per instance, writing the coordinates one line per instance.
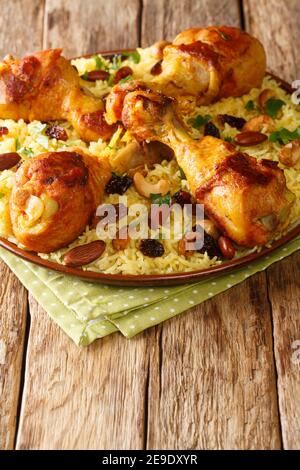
(87, 311)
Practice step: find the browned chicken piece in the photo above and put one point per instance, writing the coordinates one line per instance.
(54, 197)
(44, 86)
(211, 63)
(246, 198)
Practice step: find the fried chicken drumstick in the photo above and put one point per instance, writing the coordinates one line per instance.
(45, 87)
(247, 198)
(211, 63)
(54, 197)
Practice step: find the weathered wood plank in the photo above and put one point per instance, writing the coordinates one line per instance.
(14, 39)
(165, 19)
(13, 311)
(277, 24)
(212, 372)
(84, 398)
(81, 27)
(212, 382)
(21, 30)
(284, 291)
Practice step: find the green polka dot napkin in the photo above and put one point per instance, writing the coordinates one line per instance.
(87, 311)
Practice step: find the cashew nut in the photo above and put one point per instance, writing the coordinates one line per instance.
(39, 207)
(290, 153)
(146, 189)
(264, 96)
(34, 209)
(262, 123)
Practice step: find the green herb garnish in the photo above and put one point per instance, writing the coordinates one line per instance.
(18, 144)
(43, 141)
(99, 63)
(199, 121)
(250, 106)
(85, 76)
(159, 199)
(273, 106)
(38, 128)
(228, 139)
(110, 80)
(125, 79)
(182, 174)
(26, 152)
(116, 62)
(283, 136)
(134, 56)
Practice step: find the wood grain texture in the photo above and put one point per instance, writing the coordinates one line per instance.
(82, 398)
(284, 292)
(212, 386)
(21, 26)
(164, 19)
(13, 311)
(84, 26)
(277, 24)
(19, 40)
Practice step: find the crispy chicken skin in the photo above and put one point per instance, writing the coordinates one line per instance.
(44, 86)
(211, 63)
(54, 197)
(248, 199)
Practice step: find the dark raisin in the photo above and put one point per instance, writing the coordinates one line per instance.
(56, 132)
(151, 248)
(210, 246)
(211, 129)
(3, 131)
(232, 121)
(181, 198)
(118, 184)
(157, 68)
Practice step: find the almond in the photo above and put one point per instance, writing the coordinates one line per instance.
(8, 160)
(97, 75)
(84, 254)
(249, 138)
(226, 247)
(123, 72)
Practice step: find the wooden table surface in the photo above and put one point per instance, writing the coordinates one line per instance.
(224, 374)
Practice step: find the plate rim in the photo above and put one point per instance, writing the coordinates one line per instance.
(154, 279)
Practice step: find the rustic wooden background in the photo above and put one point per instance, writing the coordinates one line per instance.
(220, 376)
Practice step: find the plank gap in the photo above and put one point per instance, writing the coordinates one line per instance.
(242, 13)
(44, 35)
(23, 371)
(146, 406)
(274, 358)
(139, 22)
